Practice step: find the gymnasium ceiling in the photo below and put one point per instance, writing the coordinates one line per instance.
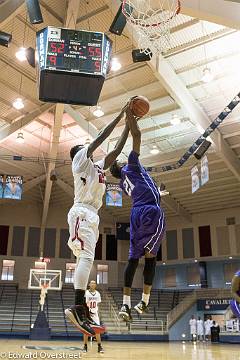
(173, 86)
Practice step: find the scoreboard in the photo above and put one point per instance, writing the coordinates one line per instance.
(72, 59)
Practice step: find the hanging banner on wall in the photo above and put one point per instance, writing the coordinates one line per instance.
(213, 304)
(1, 185)
(204, 170)
(13, 187)
(123, 231)
(113, 195)
(195, 179)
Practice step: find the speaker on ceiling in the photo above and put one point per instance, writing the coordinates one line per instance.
(30, 55)
(139, 56)
(202, 149)
(119, 22)
(34, 11)
(5, 39)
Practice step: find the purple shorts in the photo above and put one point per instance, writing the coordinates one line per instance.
(235, 307)
(147, 227)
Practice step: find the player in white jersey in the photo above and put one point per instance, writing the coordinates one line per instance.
(93, 298)
(83, 219)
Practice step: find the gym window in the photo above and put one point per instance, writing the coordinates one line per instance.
(70, 270)
(7, 270)
(102, 274)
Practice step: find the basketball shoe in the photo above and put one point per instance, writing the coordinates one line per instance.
(85, 349)
(77, 315)
(141, 307)
(100, 349)
(125, 313)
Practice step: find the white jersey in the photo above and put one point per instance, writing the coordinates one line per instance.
(92, 300)
(200, 327)
(208, 324)
(193, 326)
(89, 180)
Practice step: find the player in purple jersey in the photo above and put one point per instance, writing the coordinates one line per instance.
(147, 222)
(235, 303)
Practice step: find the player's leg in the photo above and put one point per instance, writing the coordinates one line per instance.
(99, 341)
(130, 270)
(152, 230)
(85, 343)
(148, 276)
(82, 241)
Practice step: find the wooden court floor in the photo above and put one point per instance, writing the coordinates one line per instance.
(24, 349)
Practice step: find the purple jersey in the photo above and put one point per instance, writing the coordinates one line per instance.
(137, 183)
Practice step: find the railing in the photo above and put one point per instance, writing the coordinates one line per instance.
(64, 316)
(190, 299)
(14, 310)
(112, 312)
(149, 325)
(182, 307)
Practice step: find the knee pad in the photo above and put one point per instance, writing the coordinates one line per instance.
(149, 270)
(130, 272)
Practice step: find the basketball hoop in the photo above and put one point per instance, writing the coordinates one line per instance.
(152, 20)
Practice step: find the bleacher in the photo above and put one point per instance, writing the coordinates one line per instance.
(19, 307)
(161, 302)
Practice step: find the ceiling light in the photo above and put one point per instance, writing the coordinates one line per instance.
(164, 263)
(98, 112)
(21, 54)
(20, 138)
(18, 104)
(154, 150)
(195, 261)
(230, 257)
(115, 64)
(175, 120)
(207, 75)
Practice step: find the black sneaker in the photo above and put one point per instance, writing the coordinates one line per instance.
(141, 307)
(77, 315)
(100, 349)
(125, 313)
(84, 350)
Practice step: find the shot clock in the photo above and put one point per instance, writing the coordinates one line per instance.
(73, 65)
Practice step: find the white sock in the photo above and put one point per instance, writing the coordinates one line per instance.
(145, 298)
(127, 300)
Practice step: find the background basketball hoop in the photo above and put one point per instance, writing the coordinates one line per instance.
(152, 20)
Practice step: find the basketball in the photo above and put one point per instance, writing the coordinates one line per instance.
(140, 106)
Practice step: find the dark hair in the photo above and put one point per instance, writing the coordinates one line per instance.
(116, 169)
(74, 150)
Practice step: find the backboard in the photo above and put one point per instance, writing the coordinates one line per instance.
(42, 278)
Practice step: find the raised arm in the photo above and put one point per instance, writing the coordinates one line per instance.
(105, 133)
(235, 288)
(112, 156)
(135, 131)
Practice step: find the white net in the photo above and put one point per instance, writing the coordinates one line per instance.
(152, 20)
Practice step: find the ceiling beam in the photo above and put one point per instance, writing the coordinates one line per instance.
(32, 183)
(51, 12)
(167, 76)
(9, 129)
(71, 16)
(92, 13)
(85, 125)
(68, 189)
(223, 12)
(53, 155)
(8, 11)
(176, 207)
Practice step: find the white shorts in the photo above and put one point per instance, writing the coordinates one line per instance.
(95, 317)
(83, 222)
